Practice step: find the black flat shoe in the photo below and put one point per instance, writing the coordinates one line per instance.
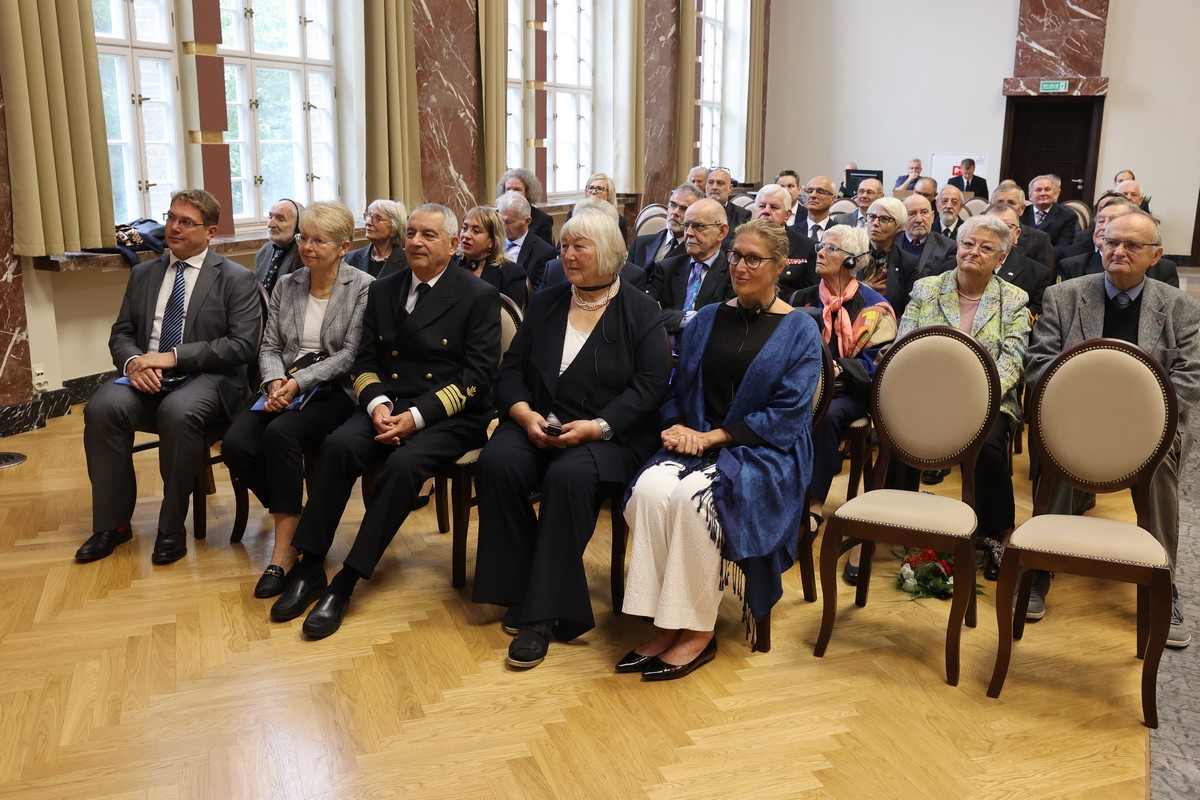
(101, 544)
(850, 574)
(272, 582)
(326, 616)
(530, 647)
(302, 592)
(634, 662)
(934, 476)
(169, 547)
(659, 670)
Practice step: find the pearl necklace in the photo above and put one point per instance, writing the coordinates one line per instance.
(592, 305)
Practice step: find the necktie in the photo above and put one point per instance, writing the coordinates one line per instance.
(674, 248)
(171, 332)
(815, 233)
(967, 185)
(862, 221)
(1122, 300)
(947, 233)
(693, 287)
(1039, 216)
(273, 270)
(509, 245)
(422, 290)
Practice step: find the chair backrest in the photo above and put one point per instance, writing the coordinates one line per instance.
(651, 219)
(510, 320)
(843, 206)
(823, 394)
(1104, 416)
(976, 205)
(934, 398)
(742, 200)
(253, 373)
(1081, 210)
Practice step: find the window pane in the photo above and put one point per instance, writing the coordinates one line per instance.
(279, 129)
(277, 27)
(318, 35)
(516, 33)
(321, 135)
(109, 18)
(241, 169)
(513, 131)
(150, 21)
(585, 43)
(158, 129)
(114, 85)
(233, 25)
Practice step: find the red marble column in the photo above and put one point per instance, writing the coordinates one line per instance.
(660, 74)
(16, 375)
(210, 88)
(1060, 40)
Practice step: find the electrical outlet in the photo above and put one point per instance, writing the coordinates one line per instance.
(40, 384)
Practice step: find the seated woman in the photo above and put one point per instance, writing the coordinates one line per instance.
(386, 221)
(858, 324)
(973, 299)
(727, 488)
(310, 342)
(578, 392)
(601, 187)
(481, 250)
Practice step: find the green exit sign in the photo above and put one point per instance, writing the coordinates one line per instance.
(1050, 87)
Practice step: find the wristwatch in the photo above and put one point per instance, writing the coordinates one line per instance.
(606, 433)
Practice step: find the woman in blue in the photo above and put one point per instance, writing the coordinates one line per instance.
(727, 488)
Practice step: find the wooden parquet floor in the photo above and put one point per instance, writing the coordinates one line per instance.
(119, 679)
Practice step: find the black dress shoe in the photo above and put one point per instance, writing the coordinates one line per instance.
(991, 567)
(850, 574)
(934, 476)
(326, 616)
(302, 592)
(634, 662)
(273, 582)
(169, 547)
(530, 647)
(659, 670)
(102, 543)
(511, 622)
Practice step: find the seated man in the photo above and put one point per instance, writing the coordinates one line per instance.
(1034, 244)
(869, 190)
(949, 205)
(178, 378)
(430, 347)
(698, 176)
(719, 187)
(651, 247)
(280, 255)
(524, 182)
(909, 179)
(1058, 222)
(928, 251)
(771, 204)
(530, 251)
(1161, 320)
(684, 284)
(1091, 262)
(789, 179)
(819, 195)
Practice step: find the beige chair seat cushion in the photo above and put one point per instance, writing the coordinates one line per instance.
(861, 422)
(469, 457)
(916, 510)
(1092, 537)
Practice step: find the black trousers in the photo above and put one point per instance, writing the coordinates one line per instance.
(400, 471)
(530, 560)
(266, 451)
(826, 439)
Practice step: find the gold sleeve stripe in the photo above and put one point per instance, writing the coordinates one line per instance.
(453, 400)
(364, 380)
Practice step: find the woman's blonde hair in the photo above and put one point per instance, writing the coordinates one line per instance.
(489, 219)
(330, 218)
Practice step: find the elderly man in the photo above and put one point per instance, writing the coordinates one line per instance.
(279, 256)
(949, 205)
(790, 179)
(819, 195)
(925, 248)
(909, 179)
(686, 283)
(668, 242)
(1045, 214)
(771, 204)
(968, 182)
(430, 347)
(1034, 244)
(1161, 320)
(698, 176)
(869, 190)
(526, 183)
(719, 187)
(530, 251)
(927, 188)
(187, 328)
(1017, 269)
(1091, 263)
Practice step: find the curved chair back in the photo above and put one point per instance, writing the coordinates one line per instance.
(976, 205)
(742, 200)
(823, 394)
(1104, 417)
(510, 320)
(651, 219)
(934, 398)
(843, 206)
(1081, 210)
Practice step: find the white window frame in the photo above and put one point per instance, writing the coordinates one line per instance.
(724, 83)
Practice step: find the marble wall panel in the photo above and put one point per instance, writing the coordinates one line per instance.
(661, 74)
(1076, 87)
(445, 39)
(16, 374)
(1060, 38)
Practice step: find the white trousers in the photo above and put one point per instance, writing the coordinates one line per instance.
(675, 567)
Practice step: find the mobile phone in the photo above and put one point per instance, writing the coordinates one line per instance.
(553, 426)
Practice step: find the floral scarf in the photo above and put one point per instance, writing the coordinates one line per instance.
(836, 318)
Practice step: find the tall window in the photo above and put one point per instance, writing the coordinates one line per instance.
(136, 44)
(514, 130)
(724, 83)
(569, 95)
(279, 96)
(712, 43)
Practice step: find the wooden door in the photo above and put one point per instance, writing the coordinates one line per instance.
(1059, 135)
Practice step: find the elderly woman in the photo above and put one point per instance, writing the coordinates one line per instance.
(727, 488)
(386, 221)
(972, 298)
(481, 250)
(309, 345)
(601, 187)
(857, 325)
(522, 180)
(885, 270)
(577, 391)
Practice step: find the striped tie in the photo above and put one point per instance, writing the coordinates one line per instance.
(172, 322)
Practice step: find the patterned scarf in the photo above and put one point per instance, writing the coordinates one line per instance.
(836, 317)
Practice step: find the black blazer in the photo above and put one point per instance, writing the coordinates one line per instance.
(262, 262)
(1029, 275)
(535, 254)
(644, 248)
(1036, 244)
(902, 273)
(508, 278)
(1061, 224)
(1090, 264)
(620, 375)
(361, 258)
(670, 284)
(978, 185)
(801, 269)
(937, 256)
(631, 275)
(1080, 247)
(441, 358)
(542, 224)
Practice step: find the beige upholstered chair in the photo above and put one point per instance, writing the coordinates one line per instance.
(976, 205)
(921, 427)
(843, 206)
(651, 219)
(1081, 210)
(1103, 418)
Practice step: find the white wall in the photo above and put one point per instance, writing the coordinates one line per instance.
(855, 81)
(70, 318)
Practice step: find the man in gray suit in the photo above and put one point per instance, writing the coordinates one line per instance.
(187, 328)
(1161, 320)
(279, 256)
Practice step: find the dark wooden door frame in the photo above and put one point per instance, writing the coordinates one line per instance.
(1093, 151)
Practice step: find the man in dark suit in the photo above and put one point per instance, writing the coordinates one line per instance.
(1017, 269)
(719, 187)
(918, 244)
(430, 347)
(819, 194)
(280, 255)
(668, 242)
(968, 181)
(869, 190)
(1033, 244)
(522, 245)
(1060, 223)
(771, 204)
(525, 182)
(187, 328)
(685, 284)
(789, 179)
(1161, 320)
(1091, 263)
(949, 206)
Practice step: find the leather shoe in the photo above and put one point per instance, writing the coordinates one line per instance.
(273, 581)
(326, 616)
(991, 567)
(659, 670)
(934, 476)
(301, 593)
(634, 662)
(850, 574)
(102, 543)
(169, 547)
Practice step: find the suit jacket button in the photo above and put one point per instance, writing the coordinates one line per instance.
(395, 353)
(445, 342)
(394, 376)
(428, 376)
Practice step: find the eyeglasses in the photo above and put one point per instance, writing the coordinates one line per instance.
(183, 222)
(967, 245)
(699, 226)
(817, 190)
(750, 260)
(830, 249)
(868, 192)
(596, 189)
(378, 219)
(881, 219)
(304, 241)
(673, 206)
(1133, 248)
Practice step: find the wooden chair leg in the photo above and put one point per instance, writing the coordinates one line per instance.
(460, 496)
(865, 557)
(964, 591)
(441, 503)
(829, 559)
(804, 556)
(616, 571)
(1160, 625)
(1143, 619)
(860, 443)
(1005, 587)
(1024, 587)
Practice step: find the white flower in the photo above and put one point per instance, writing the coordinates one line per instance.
(906, 571)
(950, 580)
(909, 584)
